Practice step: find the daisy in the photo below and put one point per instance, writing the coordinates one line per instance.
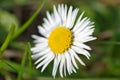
(62, 40)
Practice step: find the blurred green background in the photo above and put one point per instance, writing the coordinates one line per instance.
(105, 54)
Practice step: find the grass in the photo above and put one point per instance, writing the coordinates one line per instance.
(7, 40)
(104, 63)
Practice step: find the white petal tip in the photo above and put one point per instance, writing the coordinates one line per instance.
(84, 64)
(42, 71)
(53, 76)
(94, 38)
(35, 63)
(61, 76)
(37, 67)
(89, 58)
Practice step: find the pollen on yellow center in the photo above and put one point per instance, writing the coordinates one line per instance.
(60, 40)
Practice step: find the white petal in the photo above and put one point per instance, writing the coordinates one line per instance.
(39, 39)
(80, 23)
(37, 55)
(39, 47)
(90, 27)
(50, 18)
(42, 31)
(65, 68)
(77, 23)
(69, 17)
(84, 38)
(61, 65)
(46, 22)
(84, 33)
(68, 61)
(55, 66)
(83, 26)
(74, 15)
(73, 68)
(46, 27)
(84, 23)
(65, 16)
(46, 64)
(81, 51)
(73, 59)
(56, 16)
(78, 58)
(61, 10)
(90, 38)
(41, 58)
(88, 31)
(81, 45)
(47, 58)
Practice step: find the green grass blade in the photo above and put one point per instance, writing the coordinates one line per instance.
(21, 70)
(7, 40)
(29, 60)
(8, 65)
(26, 25)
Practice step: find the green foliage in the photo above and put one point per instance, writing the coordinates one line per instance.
(104, 63)
(21, 70)
(7, 40)
(29, 60)
(10, 3)
(6, 19)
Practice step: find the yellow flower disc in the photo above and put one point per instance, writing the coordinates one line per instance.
(60, 40)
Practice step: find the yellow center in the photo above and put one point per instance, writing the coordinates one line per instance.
(60, 40)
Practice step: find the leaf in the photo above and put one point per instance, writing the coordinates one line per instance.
(7, 40)
(6, 19)
(10, 66)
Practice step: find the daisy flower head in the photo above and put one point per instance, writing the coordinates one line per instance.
(63, 40)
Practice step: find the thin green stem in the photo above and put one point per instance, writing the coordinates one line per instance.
(9, 64)
(21, 70)
(29, 59)
(7, 40)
